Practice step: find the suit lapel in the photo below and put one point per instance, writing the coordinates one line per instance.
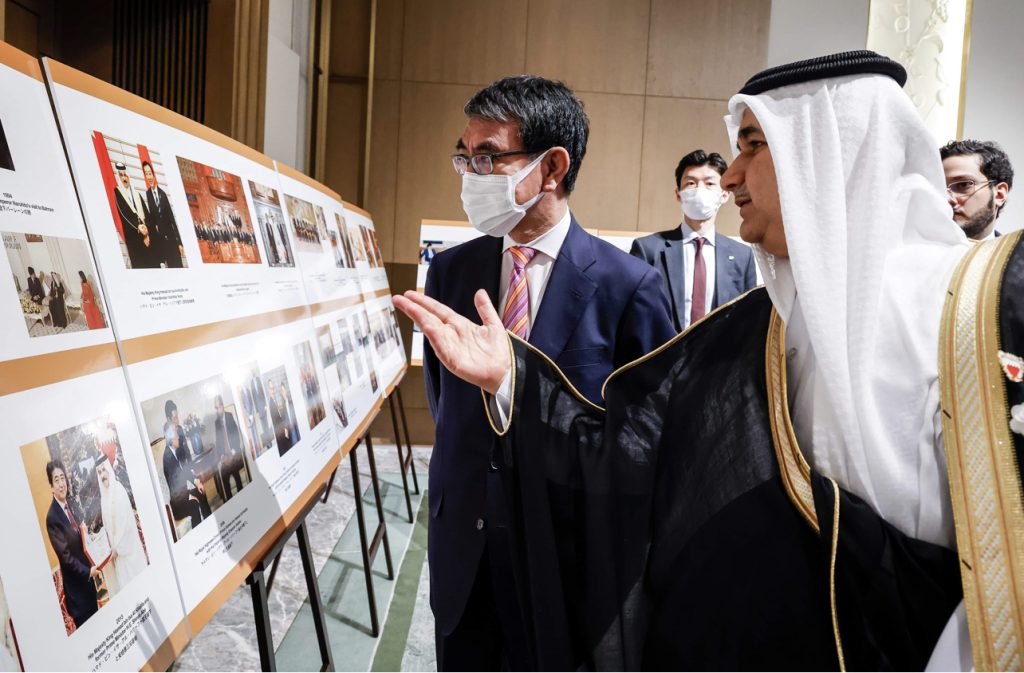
(674, 269)
(568, 292)
(486, 274)
(723, 270)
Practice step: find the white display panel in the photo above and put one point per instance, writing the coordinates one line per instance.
(216, 334)
(385, 339)
(119, 618)
(86, 574)
(353, 387)
(364, 237)
(246, 418)
(51, 309)
(325, 251)
(178, 236)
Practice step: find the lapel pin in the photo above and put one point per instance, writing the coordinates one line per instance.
(1013, 366)
(732, 257)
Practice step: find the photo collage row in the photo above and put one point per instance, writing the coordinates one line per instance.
(207, 440)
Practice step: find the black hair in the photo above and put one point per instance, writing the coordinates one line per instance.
(548, 113)
(146, 163)
(81, 274)
(169, 408)
(700, 158)
(31, 271)
(994, 163)
(54, 465)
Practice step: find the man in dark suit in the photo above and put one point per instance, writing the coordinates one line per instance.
(701, 270)
(35, 287)
(65, 535)
(279, 418)
(160, 219)
(588, 306)
(229, 447)
(979, 177)
(187, 493)
(259, 403)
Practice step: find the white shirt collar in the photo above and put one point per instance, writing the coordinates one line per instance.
(689, 234)
(550, 242)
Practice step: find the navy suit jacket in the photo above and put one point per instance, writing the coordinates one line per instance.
(66, 540)
(734, 268)
(601, 310)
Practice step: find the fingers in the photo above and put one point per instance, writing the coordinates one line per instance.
(427, 321)
(443, 313)
(485, 308)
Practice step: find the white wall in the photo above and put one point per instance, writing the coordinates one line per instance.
(995, 90)
(284, 135)
(801, 29)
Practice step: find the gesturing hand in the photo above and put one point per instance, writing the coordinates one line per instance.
(477, 354)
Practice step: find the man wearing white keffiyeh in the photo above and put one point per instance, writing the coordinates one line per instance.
(841, 190)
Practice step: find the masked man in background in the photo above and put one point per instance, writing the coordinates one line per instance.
(702, 270)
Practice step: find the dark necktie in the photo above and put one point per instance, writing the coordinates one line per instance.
(700, 282)
(71, 518)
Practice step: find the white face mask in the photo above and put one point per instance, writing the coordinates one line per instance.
(700, 203)
(490, 200)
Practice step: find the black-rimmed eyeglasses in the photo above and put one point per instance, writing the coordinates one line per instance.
(483, 164)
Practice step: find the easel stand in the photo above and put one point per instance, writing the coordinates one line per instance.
(405, 463)
(260, 586)
(370, 545)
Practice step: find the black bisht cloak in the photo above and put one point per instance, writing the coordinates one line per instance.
(664, 533)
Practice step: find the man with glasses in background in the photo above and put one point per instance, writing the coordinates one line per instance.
(589, 307)
(979, 177)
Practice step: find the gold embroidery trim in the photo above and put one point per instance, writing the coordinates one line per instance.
(832, 577)
(512, 396)
(983, 475)
(793, 468)
(512, 399)
(645, 358)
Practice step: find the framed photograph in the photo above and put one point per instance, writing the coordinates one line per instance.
(56, 284)
(310, 383)
(140, 209)
(270, 221)
(87, 516)
(281, 409)
(219, 213)
(304, 224)
(200, 449)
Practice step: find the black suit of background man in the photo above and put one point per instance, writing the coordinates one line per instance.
(162, 227)
(229, 450)
(186, 502)
(35, 289)
(75, 568)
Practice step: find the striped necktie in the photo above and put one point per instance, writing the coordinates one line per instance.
(516, 316)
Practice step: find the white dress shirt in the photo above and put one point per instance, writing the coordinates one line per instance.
(689, 259)
(538, 271)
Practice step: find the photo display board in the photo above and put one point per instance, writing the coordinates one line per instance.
(385, 340)
(86, 576)
(208, 300)
(182, 368)
(334, 260)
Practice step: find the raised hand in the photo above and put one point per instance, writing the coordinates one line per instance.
(478, 354)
